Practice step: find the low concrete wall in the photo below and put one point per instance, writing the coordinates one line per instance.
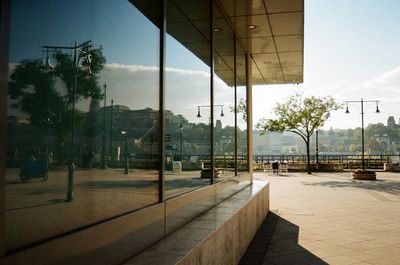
(391, 167)
(220, 236)
(302, 167)
(324, 167)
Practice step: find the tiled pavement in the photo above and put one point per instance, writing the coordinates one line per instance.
(326, 218)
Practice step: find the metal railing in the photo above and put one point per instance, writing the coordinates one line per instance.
(349, 161)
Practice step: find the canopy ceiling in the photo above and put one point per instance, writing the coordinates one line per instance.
(271, 31)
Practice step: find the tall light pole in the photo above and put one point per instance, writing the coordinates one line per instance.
(151, 146)
(316, 146)
(362, 122)
(111, 128)
(125, 133)
(181, 138)
(103, 156)
(80, 51)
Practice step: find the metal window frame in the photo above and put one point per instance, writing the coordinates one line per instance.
(4, 47)
(161, 147)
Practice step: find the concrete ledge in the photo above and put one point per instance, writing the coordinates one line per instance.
(391, 167)
(219, 236)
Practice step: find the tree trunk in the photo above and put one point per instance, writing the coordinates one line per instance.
(308, 155)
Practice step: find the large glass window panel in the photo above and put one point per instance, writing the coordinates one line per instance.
(83, 115)
(224, 98)
(187, 97)
(228, 62)
(241, 109)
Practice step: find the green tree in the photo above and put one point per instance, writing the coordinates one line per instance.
(373, 146)
(301, 116)
(353, 148)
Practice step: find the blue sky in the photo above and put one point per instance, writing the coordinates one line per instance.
(352, 50)
(350, 41)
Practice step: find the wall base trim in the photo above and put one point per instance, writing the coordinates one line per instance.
(219, 236)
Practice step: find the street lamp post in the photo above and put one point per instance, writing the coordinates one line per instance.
(362, 123)
(151, 146)
(207, 106)
(80, 51)
(181, 138)
(111, 129)
(316, 147)
(125, 133)
(103, 157)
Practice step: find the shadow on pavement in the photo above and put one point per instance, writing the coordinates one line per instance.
(378, 185)
(276, 242)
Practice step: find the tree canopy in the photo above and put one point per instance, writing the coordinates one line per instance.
(301, 116)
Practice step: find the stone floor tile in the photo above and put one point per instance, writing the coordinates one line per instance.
(330, 219)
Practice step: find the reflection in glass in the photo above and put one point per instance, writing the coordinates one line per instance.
(94, 76)
(241, 99)
(224, 94)
(187, 97)
(230, 132)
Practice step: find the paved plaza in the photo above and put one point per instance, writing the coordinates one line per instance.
(327, 218)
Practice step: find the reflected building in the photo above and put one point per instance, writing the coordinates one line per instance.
(87, 181)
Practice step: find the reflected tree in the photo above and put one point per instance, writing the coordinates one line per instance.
(45, 93)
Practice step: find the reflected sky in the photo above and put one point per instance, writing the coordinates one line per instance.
(132, 65)
(62, 23)
(124, 38)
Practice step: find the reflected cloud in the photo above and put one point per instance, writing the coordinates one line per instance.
(135, 86)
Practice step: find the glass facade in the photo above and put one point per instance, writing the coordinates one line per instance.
(224, 97)
(108, 114)
(83, 117)
(241, 105)
(187, 87)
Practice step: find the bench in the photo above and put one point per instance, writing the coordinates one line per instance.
(282, 168)
(206, 170)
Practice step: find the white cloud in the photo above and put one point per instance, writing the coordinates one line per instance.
(385, 88)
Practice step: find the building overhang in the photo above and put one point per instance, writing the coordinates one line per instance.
(270, 31)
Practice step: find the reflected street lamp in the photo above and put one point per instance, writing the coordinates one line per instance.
(362, 122)
(111, 129)
(80, 51)
(207, 106)
(103, 157)
(125, 133)
(181, 136)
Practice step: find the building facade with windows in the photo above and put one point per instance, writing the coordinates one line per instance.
(119, 124)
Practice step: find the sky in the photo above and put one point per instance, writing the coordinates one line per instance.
(351, 51)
